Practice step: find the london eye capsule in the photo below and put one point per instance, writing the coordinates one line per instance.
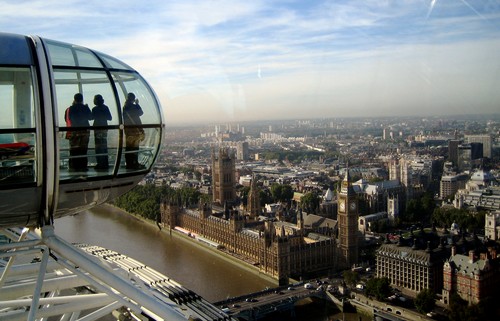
(77, 128)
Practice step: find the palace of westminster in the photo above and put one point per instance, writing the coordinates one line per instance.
(280, 249)
(319, 246)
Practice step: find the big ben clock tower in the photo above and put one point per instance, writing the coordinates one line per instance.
(347, 216)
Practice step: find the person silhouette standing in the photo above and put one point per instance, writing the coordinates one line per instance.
(134, 134)
(79, 116)
(101, 115)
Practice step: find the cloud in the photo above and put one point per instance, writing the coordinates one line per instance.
(314, 58)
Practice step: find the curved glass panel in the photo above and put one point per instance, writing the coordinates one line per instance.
(91, 144)
(17, 127)
(102, 149)
(113, 63)
(63, 54)
(133, 83)
(88, 83)
(139, 108)
(140, 150)
(91, 133)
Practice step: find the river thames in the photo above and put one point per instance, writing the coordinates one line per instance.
(192, 266)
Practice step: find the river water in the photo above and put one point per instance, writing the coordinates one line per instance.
(192, 266)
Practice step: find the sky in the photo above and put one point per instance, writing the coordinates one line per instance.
(233, 61)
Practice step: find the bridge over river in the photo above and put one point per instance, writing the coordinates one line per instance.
(261, 304)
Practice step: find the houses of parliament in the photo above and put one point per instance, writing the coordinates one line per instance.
(280, 249)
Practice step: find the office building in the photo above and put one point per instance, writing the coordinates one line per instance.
(453, 151)
(242, 151)
(413, 264)
(450, 184)
(473, 277)
(486, 140)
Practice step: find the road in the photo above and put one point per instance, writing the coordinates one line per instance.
(276, 298)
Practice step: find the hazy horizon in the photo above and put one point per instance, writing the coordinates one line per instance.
(456, 117)
(230, 61)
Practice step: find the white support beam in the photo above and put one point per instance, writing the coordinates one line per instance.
(162, 309)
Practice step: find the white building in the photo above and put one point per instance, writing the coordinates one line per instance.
(492, 226)
(365, 222)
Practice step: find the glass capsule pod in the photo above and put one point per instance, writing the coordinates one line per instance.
(60, 155)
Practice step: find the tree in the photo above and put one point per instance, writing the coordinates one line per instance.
(460, 310)
(425, 301)
(271, 155)
(428, 205)
(350, 277)
(205, 198)
(375, 179)
(265, 197)
(413, 211)
(282, 192)
(287, 193)
(145, 199)
(244, 192)
(310, 202)
(445, 217)
(379, 288)
(419, 210)
(379, 227)
(188, 195)
(276, 191)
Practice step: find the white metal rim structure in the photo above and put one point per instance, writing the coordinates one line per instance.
(43, 288)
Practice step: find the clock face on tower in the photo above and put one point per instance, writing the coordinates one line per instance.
(342, 205)
(352, 206)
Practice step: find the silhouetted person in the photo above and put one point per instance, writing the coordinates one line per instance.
(101, 115)
(79, 116)
(133, 134)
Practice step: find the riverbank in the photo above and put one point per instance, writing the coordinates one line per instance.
(220, 254)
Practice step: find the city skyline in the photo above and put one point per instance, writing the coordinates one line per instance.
(244, 61)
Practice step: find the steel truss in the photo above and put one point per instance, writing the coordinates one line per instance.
(43, 276)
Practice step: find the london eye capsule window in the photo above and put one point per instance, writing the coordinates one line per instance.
(109, 119)
(140, 118)
(17, 127)
(88, 118)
